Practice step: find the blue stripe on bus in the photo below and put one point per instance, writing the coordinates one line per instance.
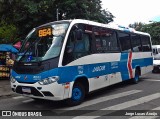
(29, 78)
(123, 66)
(142, 62)
(70, 73)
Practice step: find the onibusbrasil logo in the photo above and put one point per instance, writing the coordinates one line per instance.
(21, 113)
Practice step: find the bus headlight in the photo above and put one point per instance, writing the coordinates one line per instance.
(13, 80)
(49, 80)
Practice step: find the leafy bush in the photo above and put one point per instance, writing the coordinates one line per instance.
(7, 32)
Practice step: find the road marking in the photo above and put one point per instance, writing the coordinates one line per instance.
(146, 117)
(120, 106)
(39, 106)
(101, 99)
(151, 80)
(18, 97)
(157, 108)
(27, 101)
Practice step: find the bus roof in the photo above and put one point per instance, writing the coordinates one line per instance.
(112, 26)
(115, 26)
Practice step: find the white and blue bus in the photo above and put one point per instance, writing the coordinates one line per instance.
(65, 60)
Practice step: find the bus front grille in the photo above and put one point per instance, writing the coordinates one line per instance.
(34, 91)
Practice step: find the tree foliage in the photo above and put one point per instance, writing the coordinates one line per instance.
(83, 9)
(153, 29)
(26, 14)
(137, 25)
(7, 32)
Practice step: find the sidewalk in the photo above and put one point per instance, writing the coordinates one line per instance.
(5, 88)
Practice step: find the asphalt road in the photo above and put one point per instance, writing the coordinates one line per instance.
(119, 101)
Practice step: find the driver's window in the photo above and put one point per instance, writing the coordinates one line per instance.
(76, 48)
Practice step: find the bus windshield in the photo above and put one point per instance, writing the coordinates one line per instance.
(43, 43)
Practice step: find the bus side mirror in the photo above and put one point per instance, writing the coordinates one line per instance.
(78, 34)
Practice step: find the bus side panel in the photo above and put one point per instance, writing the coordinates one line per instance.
(129, 62)
(144, 60)
(104, 69)
(101, 70)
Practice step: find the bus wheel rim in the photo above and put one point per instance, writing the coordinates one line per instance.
(77, 94)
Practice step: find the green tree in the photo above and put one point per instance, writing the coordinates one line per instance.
(83, 9)
(154, 30)
(7, 33)
(137, 25)
(26, 14)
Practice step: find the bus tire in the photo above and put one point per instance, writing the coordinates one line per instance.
(135, 80)
(78, 94)
(154, 70)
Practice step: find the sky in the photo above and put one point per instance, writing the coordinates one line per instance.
(131, 11)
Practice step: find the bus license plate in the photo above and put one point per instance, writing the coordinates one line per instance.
(26, 90)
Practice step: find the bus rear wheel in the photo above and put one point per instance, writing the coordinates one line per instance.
(78, 94)
(135, 80)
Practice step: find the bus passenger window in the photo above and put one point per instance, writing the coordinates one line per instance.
(98, 44)
(109, 41)
(146, 43)
(124, 41)
(136, 43)
(106, 40)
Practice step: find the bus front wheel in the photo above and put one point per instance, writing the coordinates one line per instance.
(78, 94)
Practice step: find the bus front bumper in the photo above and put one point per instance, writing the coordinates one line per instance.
(52, 91)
